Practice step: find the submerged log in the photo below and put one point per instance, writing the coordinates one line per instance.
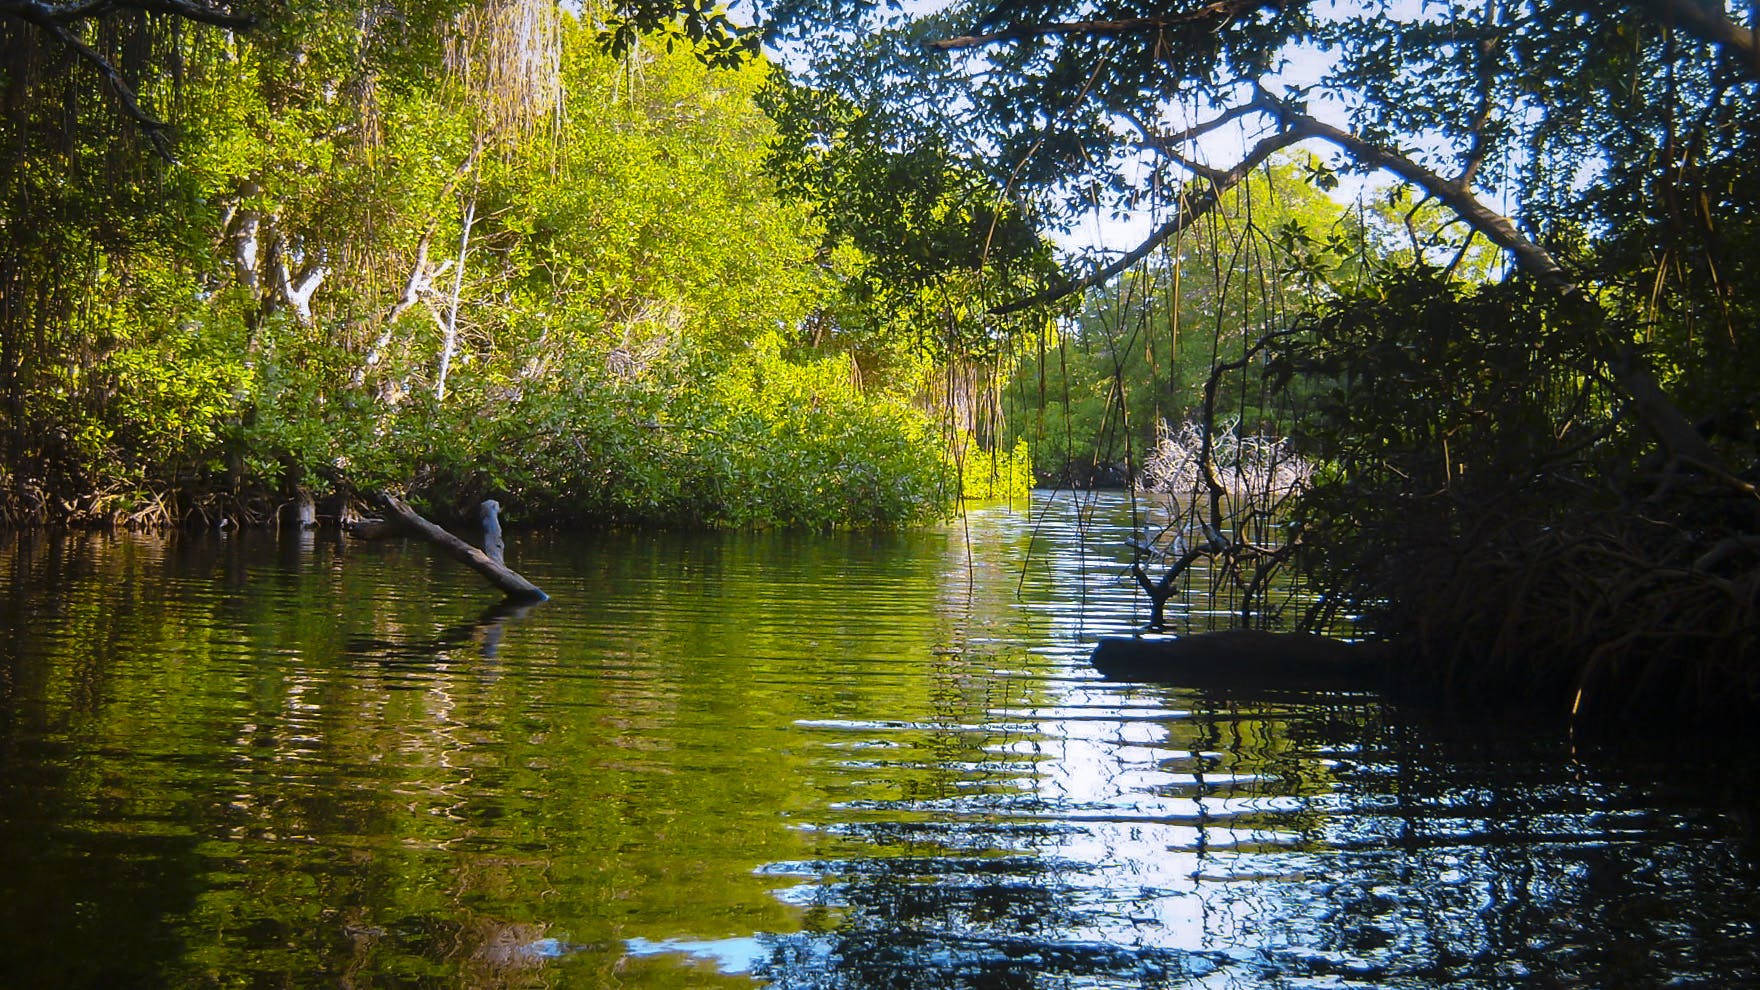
(1243, 658)
(516, 587)
(371, 528)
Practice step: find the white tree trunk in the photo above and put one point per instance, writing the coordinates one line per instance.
(297, 290)
(418, 281)
(244, 224)
(449, 329)
(244, 248)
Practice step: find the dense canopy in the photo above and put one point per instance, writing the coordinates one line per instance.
(252, 253)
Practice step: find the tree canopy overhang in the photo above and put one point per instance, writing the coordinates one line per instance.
(69, 23)
(1060, 95)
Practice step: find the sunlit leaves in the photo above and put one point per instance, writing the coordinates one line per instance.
(626, 250)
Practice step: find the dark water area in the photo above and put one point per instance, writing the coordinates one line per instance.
(784, 760)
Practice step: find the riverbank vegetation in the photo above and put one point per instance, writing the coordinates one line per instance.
(253, 255)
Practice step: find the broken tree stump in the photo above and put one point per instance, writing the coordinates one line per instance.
(494, 547)
(517, 588)
(302, 512)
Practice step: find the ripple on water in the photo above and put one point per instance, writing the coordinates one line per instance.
(837, 761)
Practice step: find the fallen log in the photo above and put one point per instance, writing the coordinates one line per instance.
(1243, 658)
(517, 588)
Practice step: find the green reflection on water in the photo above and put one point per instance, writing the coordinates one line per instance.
(244, 761)
(844, 761)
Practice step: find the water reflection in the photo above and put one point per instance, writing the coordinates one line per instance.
(847, 761)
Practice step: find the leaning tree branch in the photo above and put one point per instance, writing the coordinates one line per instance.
(151, 126)
(1650, 404)
(1530, 257)
(1190, 212)
(515, 587)
(1212, 15)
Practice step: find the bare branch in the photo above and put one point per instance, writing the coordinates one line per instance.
(1200, 129)
(1461, 254)
(1167, 145)
(1411, 224)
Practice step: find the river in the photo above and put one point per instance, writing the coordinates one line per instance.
(785, 760)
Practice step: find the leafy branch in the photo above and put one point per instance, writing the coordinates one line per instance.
(1211, 16)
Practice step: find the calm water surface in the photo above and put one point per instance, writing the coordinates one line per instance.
(845, 761)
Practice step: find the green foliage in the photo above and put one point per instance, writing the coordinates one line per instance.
(1476, 502)
(368, 202)
(175, 392)
(702, 25)
(749, 439)
(1440, 406)
(994, 476)
(928, 242)
(800, 445)
(1441, 411)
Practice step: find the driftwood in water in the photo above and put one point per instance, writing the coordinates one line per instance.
(516, 587)
(1243, 658)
